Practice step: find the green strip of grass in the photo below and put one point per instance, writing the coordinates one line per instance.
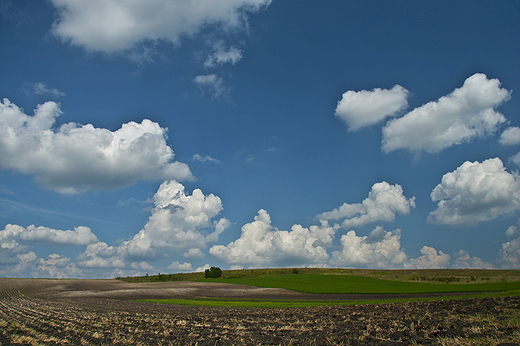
(284, 303)
(316, 283)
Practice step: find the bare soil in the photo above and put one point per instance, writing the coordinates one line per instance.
(98, 312)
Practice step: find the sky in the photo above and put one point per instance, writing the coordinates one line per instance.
(169, 136)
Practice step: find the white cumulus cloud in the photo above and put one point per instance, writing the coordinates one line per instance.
(177, 221)
(75, 158)
(430, 259)
(383, 203)
(510, 136)
(12, 234)
(381, 249)
(475, 192)
(262, 244)
(183, 267)
(367, 107)
(458, 117)
(464, 260)
(509, 255)
(111, 26)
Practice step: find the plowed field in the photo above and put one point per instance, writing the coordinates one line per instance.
(97, 312)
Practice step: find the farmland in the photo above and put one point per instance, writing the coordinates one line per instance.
(95, 312)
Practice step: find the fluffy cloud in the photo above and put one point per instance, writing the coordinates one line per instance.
(464, 260)
(111, 25)
(513, 231)
(475, 192)
(365, 108)
(100, 255)
(430, 259)
(12, 234)
(383, 203)
(76, 158)
(262, 244)
(177, 222)
(58, 266)
(510, 136)
(509, 255)
(177, 266)
(458, 117)
(379, 250)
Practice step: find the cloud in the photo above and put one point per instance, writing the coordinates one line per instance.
(205, 159)
(458, 117)
(41, 89)
(193, 253)
(12, 234)
(510, 136)
(475, 192)
(464, 260)
(262, 244)
(100, 255)
(177, 266)
(513, 231)
(76, 158)
(431, 259)
(516, 159)
(383, 203)
(221, 55)
(214, 84)
(111, 26)
(364, 108)
(58, 266)
(178, 222)
(509, 255)
(379, 250)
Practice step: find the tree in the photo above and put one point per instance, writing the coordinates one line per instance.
(213, 272)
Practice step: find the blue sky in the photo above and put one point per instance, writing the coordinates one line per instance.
(177, 135)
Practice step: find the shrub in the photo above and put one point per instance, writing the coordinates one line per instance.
(213, 272)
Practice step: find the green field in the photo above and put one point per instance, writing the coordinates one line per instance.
(336, 284)
(289, 303)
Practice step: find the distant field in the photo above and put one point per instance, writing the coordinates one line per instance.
(317, 283)
(450, 276)
(290, 303)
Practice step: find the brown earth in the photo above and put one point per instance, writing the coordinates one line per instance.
(97, 312)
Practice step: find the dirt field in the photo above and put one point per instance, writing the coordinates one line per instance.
(97, 312)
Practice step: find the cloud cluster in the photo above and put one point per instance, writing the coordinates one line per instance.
(262, 244)
(111, 26)
(380, 249)
(364, 108)
(475, 192)
(383, 203)
(178, 222)
(458, 117)
(75, 158)
(430, 259)
(11, 235)
(509, 255)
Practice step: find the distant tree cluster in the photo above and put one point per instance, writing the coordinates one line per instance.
(213, 272)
